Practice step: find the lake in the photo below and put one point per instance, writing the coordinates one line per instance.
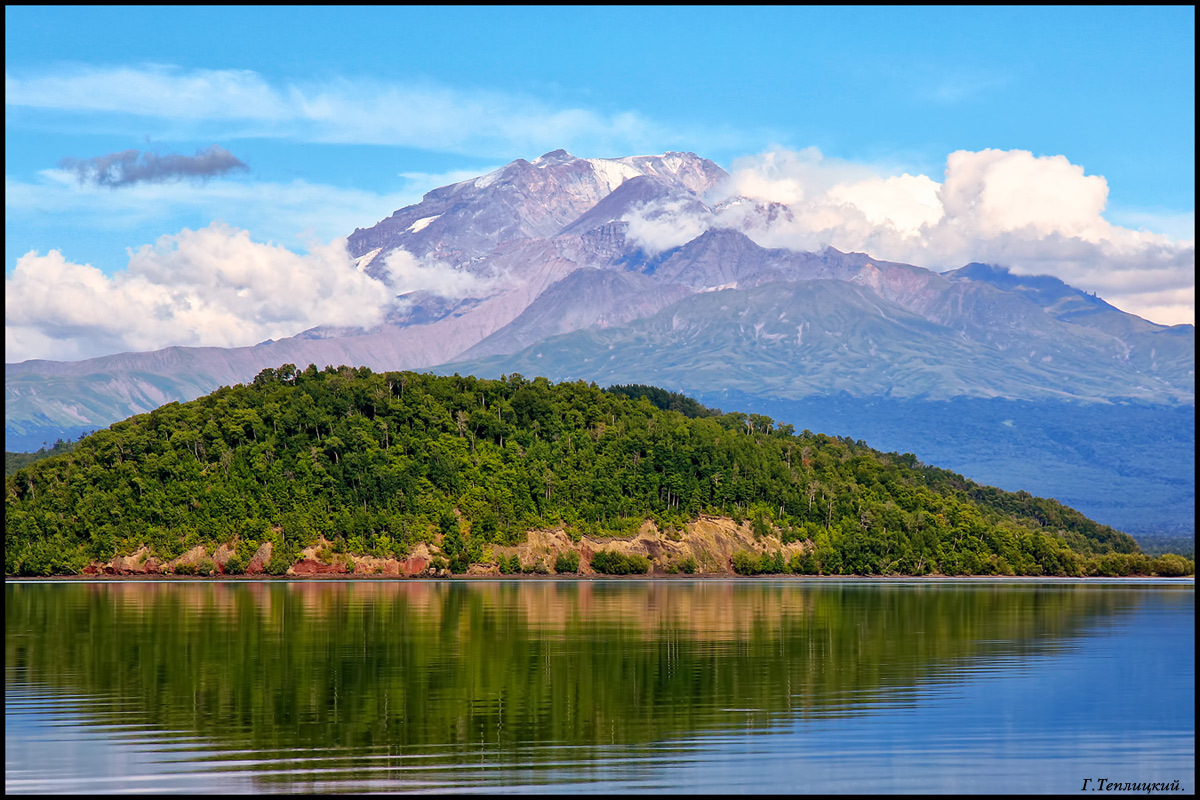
(672, 686)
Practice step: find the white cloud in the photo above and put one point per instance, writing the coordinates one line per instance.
(788, 176)
(903, 202)
(152, 90)
(210, 287)
(336, 111)
(1033, 214)
(1001, 191)
(406, 273)
(659, 226)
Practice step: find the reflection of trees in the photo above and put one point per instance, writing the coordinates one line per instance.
(413, 665)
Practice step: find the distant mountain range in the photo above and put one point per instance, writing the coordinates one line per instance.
(560, 281)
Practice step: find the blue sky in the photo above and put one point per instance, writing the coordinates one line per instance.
(339, 116)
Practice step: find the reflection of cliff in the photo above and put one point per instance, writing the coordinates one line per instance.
(706, 609)
(418, 664)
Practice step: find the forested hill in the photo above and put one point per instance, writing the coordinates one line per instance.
(382, 463)
(15, 461)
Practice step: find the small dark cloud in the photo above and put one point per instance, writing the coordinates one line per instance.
(133, 166)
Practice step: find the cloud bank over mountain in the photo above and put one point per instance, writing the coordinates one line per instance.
(211, 287)
(214, 287)
(407, 273)
(1033, 214)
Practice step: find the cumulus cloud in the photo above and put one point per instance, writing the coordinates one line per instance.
(905, 202)
(132, 166)
(999, 191)
(209, 287)
(1033, 214)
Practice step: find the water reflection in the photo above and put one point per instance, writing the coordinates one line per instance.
(591, 686)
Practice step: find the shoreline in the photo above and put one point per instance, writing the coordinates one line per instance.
(712, 545)
(464, 578)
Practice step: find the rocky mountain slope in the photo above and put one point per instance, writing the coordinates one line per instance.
(796, 325)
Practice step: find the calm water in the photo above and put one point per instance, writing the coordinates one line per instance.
(705, 686)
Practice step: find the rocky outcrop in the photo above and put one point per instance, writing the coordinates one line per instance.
(140, 562)
(709, 543)
(260, 559)
(222, 555)
(308, 566)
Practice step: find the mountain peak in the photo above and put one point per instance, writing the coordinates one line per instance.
(558, 156)
(1048, 286)
(638, 190)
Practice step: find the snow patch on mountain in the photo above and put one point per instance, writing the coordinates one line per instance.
(364, 261)
(485, 181)
(613, 173)
(422, 224)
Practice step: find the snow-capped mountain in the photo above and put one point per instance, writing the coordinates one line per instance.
(464, 222)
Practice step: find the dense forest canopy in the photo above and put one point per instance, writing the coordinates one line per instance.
(378, 462)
